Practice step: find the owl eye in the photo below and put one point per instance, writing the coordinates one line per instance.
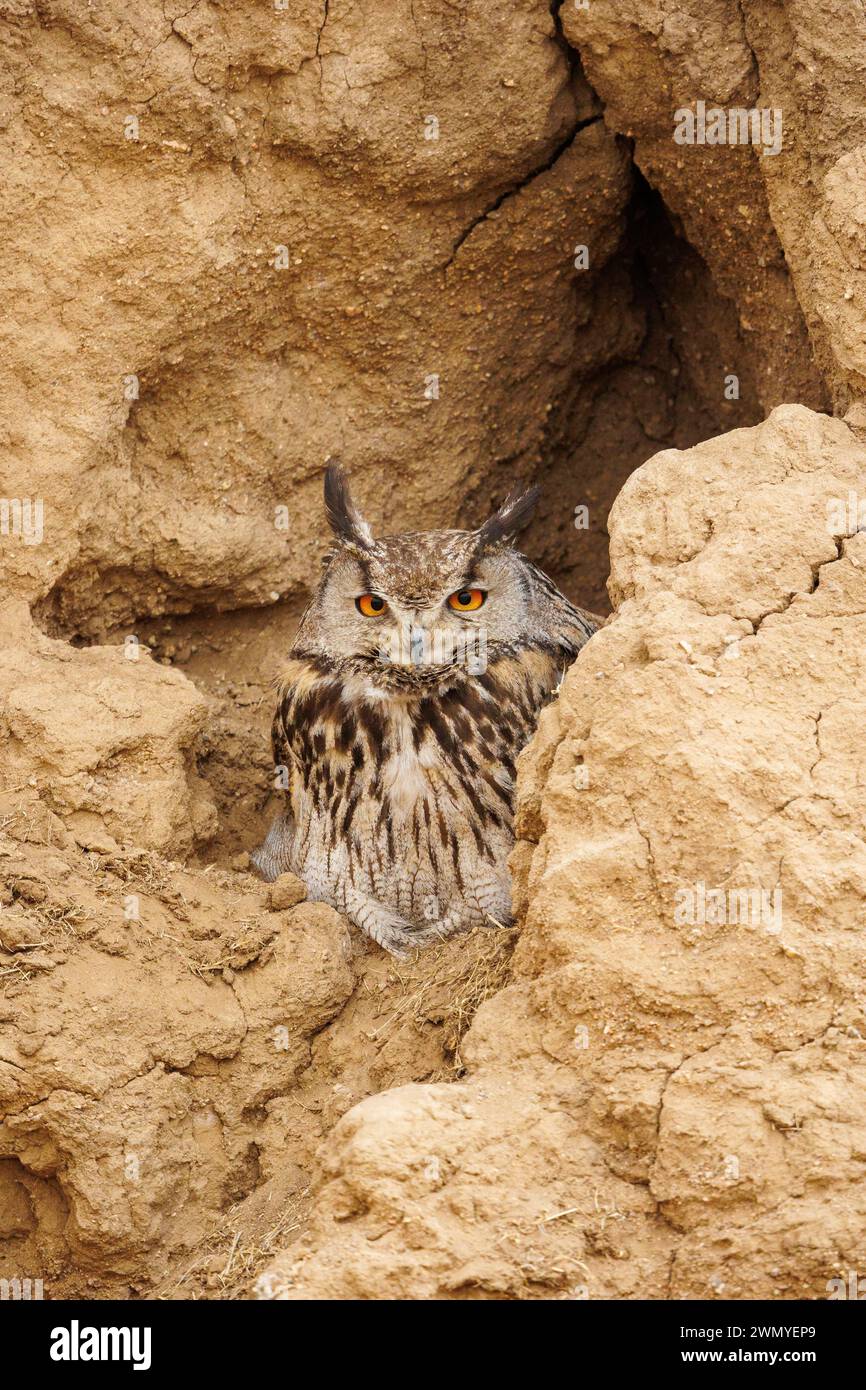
(371, 605)
(466, 600)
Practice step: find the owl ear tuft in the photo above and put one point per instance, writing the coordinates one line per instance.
(344, 518)
(515, 513)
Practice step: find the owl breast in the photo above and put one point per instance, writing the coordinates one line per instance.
(402, 800)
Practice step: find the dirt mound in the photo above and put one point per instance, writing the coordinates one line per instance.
(169, 1050)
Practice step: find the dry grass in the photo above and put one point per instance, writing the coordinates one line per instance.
(14, 974)
(233, 1254)
(242, 943)
(58, 919)
(56, 923)
(143, 868)
(448, 984)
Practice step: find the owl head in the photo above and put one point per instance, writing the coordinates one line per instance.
(423, 601)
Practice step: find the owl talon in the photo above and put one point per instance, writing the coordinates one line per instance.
(388, 929)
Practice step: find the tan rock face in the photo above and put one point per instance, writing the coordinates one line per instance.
(106, 738)
(148, 1016)
(233, 256)
(240, 242)
(746, 211)
(173, 1048)
(664, 1101)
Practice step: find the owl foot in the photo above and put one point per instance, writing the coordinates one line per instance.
(397, 935)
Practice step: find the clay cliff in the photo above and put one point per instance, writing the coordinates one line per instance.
(457, 245)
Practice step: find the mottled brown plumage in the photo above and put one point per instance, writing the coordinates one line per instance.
(400, 730)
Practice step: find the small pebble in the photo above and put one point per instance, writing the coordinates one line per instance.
(287, 891)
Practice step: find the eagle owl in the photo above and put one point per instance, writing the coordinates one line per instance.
(416, 677)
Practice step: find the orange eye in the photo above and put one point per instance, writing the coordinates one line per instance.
(371, 605)
(466, 600)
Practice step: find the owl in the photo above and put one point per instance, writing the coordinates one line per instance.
(417, 675)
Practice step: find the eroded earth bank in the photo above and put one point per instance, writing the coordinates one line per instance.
(458, 246)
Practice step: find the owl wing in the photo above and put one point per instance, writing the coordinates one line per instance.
(274, 855)
(285, 758)
(290, 728)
